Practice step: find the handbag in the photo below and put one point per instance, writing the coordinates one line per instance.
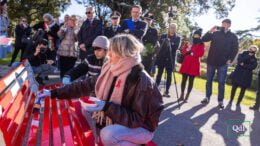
(180, 57)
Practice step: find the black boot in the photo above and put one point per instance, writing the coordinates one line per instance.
(186, 98)
(181, 97)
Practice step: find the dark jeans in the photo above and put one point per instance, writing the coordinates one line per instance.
(233, 92)
(222, 74)
(184, 81)
(66, 63)
(16, 51)
(169, 76)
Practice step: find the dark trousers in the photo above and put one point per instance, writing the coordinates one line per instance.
(168, 74)
(66, 63)
(184, 81)
(257, 100)
(147, 62)
(233, 92)
(85, 54)
(16, 51)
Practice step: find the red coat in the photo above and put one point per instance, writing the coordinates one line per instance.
(191, 62)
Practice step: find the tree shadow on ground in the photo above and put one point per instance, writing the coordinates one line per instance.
(255, 130)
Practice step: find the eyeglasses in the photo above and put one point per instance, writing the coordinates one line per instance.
(89, 12)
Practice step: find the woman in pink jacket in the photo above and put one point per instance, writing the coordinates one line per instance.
(191, 63)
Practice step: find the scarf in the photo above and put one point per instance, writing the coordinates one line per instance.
(109, 71)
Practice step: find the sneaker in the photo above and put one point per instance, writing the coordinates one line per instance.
(254, 108)
(205, 101)
(220, 105)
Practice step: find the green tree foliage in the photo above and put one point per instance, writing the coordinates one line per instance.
(186, 9)
(34, 9)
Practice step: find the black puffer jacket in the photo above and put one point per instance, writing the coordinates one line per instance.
(141, 104)
(242, 75)
(223, 47)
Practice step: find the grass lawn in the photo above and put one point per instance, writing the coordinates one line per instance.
(7, 59)
(199, 84)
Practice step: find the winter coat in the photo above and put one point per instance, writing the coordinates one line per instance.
(191, 62)
(68, 39)
(141, 104)
(138, 28)
(223, 47)
(91, 67)
(165, 56)
(109, 32)
(21, 35)
(242, 76)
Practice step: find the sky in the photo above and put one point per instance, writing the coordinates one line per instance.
(243, 15)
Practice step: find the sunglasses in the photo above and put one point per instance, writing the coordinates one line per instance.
(114, 18)
(97, 48)
(89, 12)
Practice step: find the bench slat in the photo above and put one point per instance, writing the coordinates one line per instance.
(45, 140)
(55, 124)
(66, 124)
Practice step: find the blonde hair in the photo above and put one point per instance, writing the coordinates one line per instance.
(172, 25)
(125, 45)
(254, 46)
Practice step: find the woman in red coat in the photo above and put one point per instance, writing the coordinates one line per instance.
(191, 62)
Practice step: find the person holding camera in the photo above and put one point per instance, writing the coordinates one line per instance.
(223, 49)
(242, 76)
(41, 61)
(134, 25)
(128, 104)
(90, 29)
(22, 33)
(115, 28)
(67, 50)
(190, 66)
(92, 64)
(169, 42)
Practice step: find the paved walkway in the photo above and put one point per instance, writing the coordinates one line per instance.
(198, 125)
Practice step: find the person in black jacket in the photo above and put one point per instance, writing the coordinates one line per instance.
(92, 64)
(41, 61)
(223, 49)
(134, 25)
(169, 42)
(22, 32)
(115, 28)
(257, 99)
(149, 41)
(90, 29)
(242, 76)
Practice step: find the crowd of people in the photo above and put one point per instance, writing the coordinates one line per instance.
(117, 63)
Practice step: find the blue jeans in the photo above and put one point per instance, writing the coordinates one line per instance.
(118, 135)
(222, 74)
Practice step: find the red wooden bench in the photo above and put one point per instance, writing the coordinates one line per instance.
(55, 122)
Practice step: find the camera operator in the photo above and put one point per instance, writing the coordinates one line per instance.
(223, 49)
(170, 42)
(41, 61)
